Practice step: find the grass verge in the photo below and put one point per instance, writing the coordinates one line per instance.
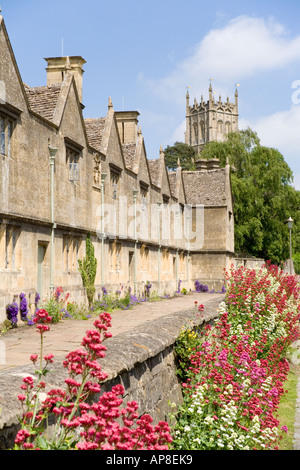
(287, 408)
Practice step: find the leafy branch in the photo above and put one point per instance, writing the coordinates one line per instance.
(88, 270)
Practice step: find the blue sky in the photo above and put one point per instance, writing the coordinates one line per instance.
(143, 54)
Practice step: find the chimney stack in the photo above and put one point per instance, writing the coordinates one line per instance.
(59, 66)
(127, 122)
(203, 164)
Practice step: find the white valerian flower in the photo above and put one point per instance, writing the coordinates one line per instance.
(208, 420)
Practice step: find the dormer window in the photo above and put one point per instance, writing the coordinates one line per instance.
(114, 181)
(144, 195)
(115, 173)
(73, 155)
(8, 116)
(6, 127)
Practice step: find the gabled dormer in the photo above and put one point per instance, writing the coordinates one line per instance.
(13, 99)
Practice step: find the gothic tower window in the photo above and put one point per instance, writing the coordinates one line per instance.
(202, 131)
(195, 133)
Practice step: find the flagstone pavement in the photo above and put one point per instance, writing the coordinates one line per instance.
(18, 344)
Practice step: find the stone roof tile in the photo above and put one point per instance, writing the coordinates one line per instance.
(42, 100)
(205, 187)
(154, 171)
(94, 129)
(129, 152)
(173, 180)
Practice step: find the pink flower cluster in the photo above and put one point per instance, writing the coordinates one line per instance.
(101, 430)
(200, 307)
(98, 424)
(241, 360)
(42, 320)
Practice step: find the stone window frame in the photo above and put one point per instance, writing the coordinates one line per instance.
(144, 190)
(8, 118)
(71, 251)
(73, 157)
(115, 176)
(182, 262)
(202, 131)
(144, 258)
(220, 126)
(10, 247)
(228, 127)
(115, 256)
(196, 132)
(166, 260)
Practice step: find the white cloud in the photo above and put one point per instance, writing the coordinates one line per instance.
(281, 131)
(244, 46)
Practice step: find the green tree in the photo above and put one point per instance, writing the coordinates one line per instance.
(184, 152)
(263, 195)
(88, 270)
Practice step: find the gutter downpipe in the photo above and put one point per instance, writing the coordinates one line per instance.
(135, 192)
(52, 153)
(159, 248)
(103, 176)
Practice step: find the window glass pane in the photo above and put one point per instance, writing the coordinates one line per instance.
(2, 136)
(9, 132)
(73, 172)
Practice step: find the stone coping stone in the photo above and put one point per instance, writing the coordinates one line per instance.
(123, 352)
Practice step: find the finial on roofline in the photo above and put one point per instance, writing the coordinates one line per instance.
(68, 65)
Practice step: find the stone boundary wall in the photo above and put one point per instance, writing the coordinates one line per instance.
(142, 360)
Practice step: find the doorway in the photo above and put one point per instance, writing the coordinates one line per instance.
(131, 268)
(40, 268)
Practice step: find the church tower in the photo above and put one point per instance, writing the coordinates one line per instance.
(210, 121)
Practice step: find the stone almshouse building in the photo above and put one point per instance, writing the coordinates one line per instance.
(63, 177)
